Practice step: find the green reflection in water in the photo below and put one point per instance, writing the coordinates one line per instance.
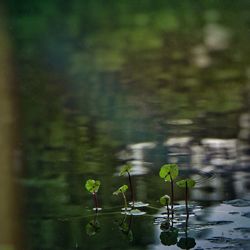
(96, 77)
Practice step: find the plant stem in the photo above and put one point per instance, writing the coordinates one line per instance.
(125, 201)
(172, 196)
(168, 210)
(95, 201)
(186, 199)
(131, 189)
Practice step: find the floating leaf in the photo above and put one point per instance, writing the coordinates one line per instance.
(182, 183)
(121, 189)
(92, 186)
(136, 212)
(186, 243)
(165, 200)
(168, 170)
(125, 169)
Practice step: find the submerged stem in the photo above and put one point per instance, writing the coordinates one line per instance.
(131, 189)
(186, 200)
(172, 196)
(168, 210)
(95, 200)
(125, 201)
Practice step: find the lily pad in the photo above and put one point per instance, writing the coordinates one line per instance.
(138, 204)
(136, 212)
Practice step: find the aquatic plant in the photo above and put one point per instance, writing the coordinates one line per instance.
(125, 169)
(122, 190)
(169, 172)
(165, 200)
(186, 183)
(93, 186)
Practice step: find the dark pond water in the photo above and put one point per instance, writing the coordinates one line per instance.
(144, 82)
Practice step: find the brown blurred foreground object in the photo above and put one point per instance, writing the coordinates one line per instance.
(10, 230)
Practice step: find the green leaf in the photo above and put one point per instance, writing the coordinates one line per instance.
(92, 186)
(167, 170)
(165, 200)
(121, 189)
(182, 183)
(125, 169)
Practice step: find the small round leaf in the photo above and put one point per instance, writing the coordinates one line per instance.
(92, 186)
(168, 170)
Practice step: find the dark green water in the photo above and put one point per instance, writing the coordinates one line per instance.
(149, 82)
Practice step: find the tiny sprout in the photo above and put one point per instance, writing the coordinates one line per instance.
(122, 190)
(93, 186)
(186, 183)
(165, 201)
(126, 169)
(169, 172)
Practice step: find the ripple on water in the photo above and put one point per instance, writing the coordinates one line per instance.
(243, 229)
(203, 177)
(238, 203)
(246, 214)
(242, 243)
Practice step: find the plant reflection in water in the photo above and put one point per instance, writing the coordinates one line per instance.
(187, 242)
(125, 227)
(93, 227)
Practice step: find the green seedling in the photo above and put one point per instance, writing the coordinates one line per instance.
(169, 172)
(126, 170)
(165, 201)
(186, 183)
(93, 186)
(122, 190)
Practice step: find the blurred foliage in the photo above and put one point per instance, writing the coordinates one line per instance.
(96, 75)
